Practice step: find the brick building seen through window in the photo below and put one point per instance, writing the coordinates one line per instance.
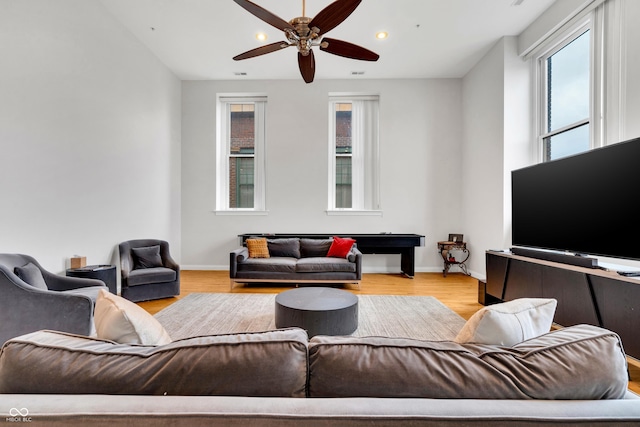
(242, 156)
(343, 156)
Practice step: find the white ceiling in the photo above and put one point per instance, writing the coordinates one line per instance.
(197, 39)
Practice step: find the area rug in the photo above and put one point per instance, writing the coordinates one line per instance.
(378, 315)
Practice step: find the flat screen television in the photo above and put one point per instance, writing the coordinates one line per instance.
(582, 204)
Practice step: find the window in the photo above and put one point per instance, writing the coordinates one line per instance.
(240, 154)
(343, 152)
(353, 154)
(568, 86)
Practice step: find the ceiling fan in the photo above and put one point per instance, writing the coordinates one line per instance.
(304, 33)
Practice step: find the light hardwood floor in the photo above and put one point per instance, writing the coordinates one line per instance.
(457, 291)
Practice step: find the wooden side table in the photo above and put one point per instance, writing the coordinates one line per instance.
(449, 259)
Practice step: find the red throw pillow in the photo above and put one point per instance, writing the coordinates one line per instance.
(340, 247)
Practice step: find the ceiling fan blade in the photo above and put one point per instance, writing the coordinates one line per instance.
(332, 15)
(265, 15)
(307, 66)
(348, 50)
(261, 50)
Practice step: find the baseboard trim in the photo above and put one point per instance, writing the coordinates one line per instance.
(205, 267)
(365, 270)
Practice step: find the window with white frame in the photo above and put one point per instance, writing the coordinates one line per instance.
(353, 154)
(568, 87)
(240, 183)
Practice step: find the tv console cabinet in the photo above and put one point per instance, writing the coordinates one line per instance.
(585, 295)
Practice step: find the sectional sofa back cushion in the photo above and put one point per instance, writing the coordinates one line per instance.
(284, 247)
(293, 247)
(319, 248)
(314, 247)
(579, 362)
(267, 364)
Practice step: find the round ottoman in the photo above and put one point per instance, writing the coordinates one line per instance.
(321, 311)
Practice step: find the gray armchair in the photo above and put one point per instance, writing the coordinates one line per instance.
(147, 270)
(35, 299)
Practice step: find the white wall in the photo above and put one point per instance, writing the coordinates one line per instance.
(420, 140)
(558, 14)
(497, 112)
(518, 129)
(483, 156)
(89, 132)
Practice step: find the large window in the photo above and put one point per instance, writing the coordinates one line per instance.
(568, 88)
(353, 154)
(240, 154)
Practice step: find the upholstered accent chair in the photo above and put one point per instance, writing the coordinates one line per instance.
(147, 270)
(34, 299)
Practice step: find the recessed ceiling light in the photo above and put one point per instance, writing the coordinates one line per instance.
(261, 36)
(382, 35)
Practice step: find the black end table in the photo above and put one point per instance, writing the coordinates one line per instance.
(321, 311)
(106, 273)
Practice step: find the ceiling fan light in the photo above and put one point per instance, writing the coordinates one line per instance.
(261, 36)
(381, 35)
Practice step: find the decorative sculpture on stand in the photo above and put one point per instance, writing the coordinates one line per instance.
(455, 243)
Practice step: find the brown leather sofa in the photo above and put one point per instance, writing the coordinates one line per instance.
(574, 376)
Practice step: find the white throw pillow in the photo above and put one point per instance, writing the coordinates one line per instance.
(124, 322)
(509, 323)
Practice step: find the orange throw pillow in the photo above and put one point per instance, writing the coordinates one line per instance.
(258, 248)
(340, 247)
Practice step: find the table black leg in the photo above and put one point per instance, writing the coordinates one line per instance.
(407, 262)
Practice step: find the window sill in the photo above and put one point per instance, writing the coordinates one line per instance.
(351, 212)
(241, 212)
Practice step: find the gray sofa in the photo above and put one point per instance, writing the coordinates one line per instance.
(574, 376)
(296, 260)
